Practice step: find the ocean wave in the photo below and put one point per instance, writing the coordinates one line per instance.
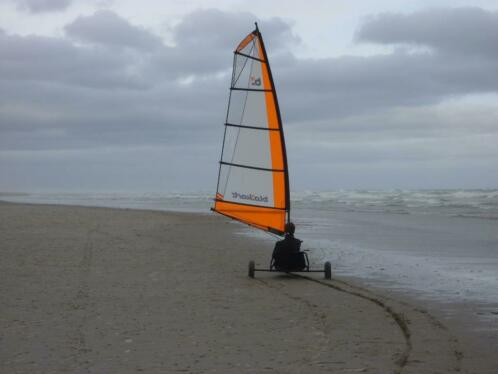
(478, 203)
(455, 203)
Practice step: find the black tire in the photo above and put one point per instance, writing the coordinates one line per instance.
(251, 269)
(328, 270)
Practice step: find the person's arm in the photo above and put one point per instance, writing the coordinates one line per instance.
(276, 249)
(298, 244)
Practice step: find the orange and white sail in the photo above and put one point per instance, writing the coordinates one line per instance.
(253, 180)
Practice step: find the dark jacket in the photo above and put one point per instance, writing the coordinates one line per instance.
(287, 255)
(289, 244)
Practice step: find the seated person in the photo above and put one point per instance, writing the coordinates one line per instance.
(287, 254)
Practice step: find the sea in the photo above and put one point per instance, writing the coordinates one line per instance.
(440, 247)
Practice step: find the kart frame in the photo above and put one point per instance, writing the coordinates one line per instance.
(327, 269)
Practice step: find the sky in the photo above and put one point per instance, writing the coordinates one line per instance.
(127, 96)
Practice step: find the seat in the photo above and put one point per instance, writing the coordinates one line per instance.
(297, 261)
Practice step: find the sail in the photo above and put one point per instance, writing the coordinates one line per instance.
(253, 179)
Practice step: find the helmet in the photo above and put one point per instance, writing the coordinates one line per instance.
(290, 228)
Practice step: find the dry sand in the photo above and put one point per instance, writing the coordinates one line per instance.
(96, 290)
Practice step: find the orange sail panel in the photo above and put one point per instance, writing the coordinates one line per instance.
(253, 179)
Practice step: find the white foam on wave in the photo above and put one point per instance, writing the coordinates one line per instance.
(481, 204)
(476, 203)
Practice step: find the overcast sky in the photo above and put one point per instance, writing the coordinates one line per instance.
(120, 95)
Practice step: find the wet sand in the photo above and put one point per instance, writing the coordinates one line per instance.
(99, 290)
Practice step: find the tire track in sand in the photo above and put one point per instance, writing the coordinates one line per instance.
(452, 340)
(317, 315)
(398, 317)
(80, 303)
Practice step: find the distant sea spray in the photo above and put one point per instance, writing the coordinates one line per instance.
(451, 202)
(463, 203)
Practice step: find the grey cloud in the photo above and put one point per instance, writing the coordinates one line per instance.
(107, 28)
(339, 87)
(457, 31)
(379, 159)
(203, 42)
(68, 118)
(39, 6)
(214, 29)
(205, 39)
(463, 60)
(309, 89)
(36, 58)
(457, 120)
(142, 168)
(110, 85)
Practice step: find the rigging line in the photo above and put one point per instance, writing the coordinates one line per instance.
(238, 134)
(275, 236)
(225, 130)
(241, 117)
(243, 67)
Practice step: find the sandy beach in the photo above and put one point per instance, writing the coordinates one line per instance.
(98, 290)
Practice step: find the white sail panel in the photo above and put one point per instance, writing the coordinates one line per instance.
(248, 108)
(247, 186)
(247, 73)
(240, 146)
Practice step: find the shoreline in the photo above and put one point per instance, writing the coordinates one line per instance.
(103, 207)
(98, 254)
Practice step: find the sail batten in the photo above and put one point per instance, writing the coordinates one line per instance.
(252, 127)
(250, 89)
(252, 167)
(253, 177)
(249, 56)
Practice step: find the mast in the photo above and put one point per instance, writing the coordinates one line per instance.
(282, 137)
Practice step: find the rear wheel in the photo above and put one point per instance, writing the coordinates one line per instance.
(328, 270)
(251, 269)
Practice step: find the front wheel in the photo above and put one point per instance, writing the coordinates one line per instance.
(328, 270)
(251, 269)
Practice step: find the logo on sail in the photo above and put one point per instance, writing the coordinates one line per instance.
(255, 81)
(251, 197)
